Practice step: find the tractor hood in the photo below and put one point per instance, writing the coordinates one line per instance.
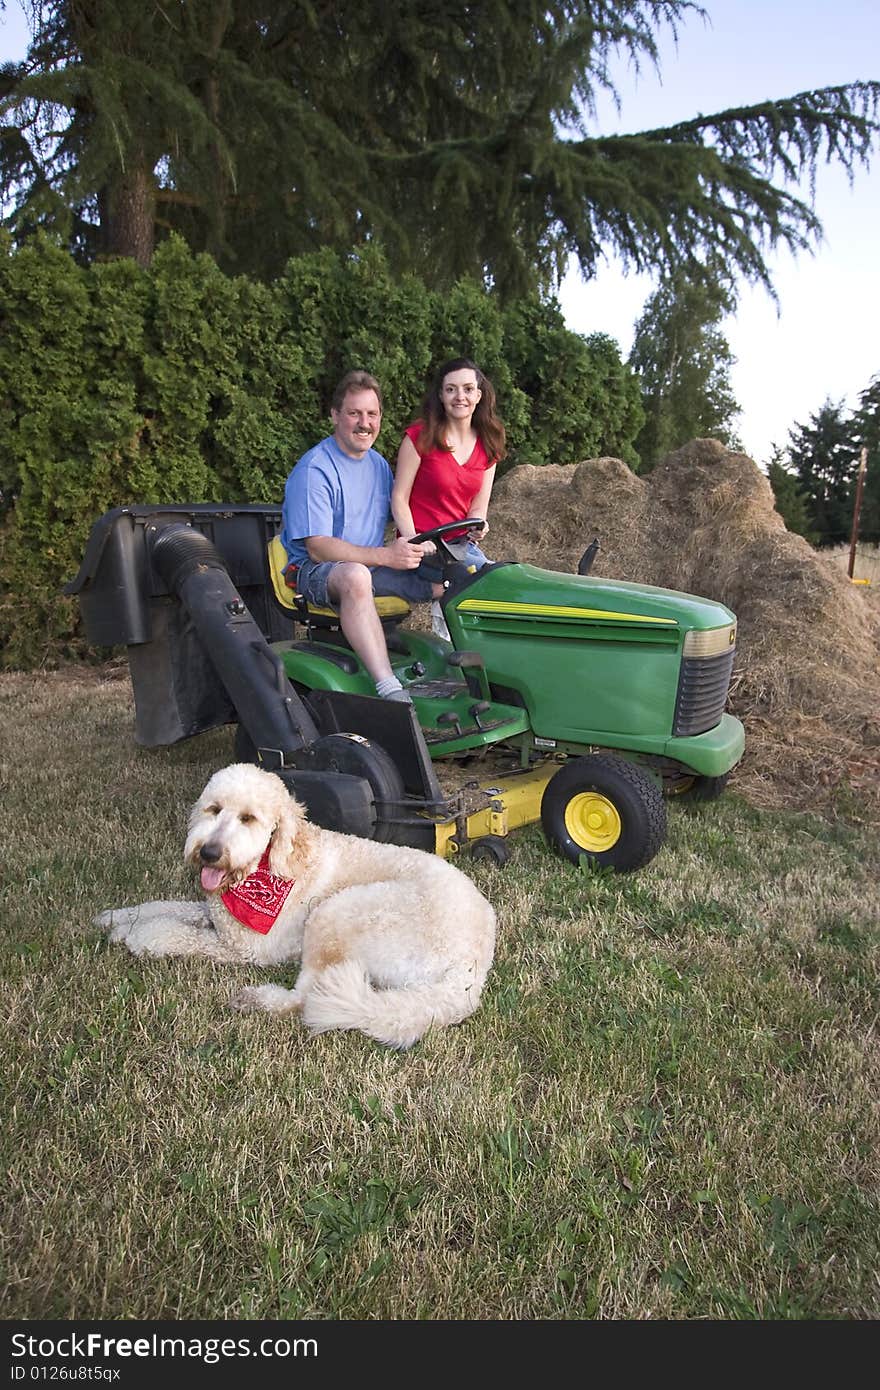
(527, 594)
(598, 661)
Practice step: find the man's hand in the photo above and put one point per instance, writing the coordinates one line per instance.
(403, 555)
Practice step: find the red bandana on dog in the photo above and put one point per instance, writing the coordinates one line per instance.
(258, 899)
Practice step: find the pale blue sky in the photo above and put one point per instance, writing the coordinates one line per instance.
(824, 342)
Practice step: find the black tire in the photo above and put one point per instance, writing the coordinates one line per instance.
(704, 789)
(361, 758)
(606, 810)
(491, 849)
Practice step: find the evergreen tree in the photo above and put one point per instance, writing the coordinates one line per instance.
(791, 502)
(866, 434)
(825, 460)
(460, 137)
(684, 363)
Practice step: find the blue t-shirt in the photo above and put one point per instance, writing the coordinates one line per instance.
(330, 494)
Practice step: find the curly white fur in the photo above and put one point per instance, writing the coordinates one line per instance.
(392, 940)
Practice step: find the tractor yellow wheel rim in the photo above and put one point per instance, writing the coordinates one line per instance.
(592, 822)
(683, 786)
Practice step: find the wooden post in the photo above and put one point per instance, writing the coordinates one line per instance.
(860, 482)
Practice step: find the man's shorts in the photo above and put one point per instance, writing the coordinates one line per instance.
(415, 586)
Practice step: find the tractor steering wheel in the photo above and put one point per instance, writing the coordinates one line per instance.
(438, 532)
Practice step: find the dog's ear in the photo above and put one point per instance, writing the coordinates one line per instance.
(193, 840)
(293, 849)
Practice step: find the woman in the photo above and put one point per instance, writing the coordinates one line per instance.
(446, 462)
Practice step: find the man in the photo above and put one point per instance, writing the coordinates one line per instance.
(336, 505)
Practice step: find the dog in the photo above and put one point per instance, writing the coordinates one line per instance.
(392, 940)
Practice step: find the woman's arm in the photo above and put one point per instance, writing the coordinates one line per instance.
(480, 504)
(408, 462)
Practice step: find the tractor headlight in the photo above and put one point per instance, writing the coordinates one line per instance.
(712, 643)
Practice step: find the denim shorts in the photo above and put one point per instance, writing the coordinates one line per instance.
(468, 552)
(413, 585)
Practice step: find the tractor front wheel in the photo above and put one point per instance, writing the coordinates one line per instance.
(704, 788)
(606, 810)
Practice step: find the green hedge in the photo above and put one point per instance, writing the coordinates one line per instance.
(181, 384)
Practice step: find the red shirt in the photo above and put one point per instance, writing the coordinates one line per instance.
(444, 489)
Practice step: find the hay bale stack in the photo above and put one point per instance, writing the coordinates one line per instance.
(808, 654)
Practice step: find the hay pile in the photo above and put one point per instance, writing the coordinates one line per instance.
(807, 674)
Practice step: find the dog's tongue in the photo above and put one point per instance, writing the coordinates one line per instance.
(211, 879)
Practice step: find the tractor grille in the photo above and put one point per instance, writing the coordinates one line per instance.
(702, 693)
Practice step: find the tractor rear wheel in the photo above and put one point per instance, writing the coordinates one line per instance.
(606, 810)
(358, 757)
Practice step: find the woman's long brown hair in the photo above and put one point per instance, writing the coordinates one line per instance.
(486, 420)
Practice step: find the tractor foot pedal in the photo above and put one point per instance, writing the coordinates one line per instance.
(476, 710)
(450, 717)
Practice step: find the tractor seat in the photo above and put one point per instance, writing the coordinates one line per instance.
(391, 610)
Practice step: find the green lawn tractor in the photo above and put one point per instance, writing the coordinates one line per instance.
(576, 701)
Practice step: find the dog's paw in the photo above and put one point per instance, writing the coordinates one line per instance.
(271, 999)
(117, 923)
(140, 940)
(127, 930)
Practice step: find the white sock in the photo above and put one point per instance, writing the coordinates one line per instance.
(390, 689)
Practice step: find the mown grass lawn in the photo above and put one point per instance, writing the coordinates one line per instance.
(665, 1107)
